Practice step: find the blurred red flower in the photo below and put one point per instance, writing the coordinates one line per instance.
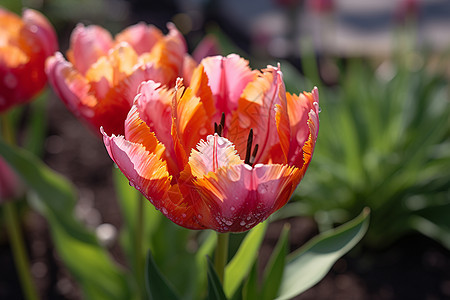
(225, 152)
(25, 43)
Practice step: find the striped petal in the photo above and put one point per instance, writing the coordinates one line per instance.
(263, 108)
(239, 197)
(145, 171)
(303, 113)
(228, 76)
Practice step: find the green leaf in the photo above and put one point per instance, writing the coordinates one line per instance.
(250, 290)
(309, 264)
(238, 268)
(88, 262)
(215, 289)
(206, 249)
(157, 285)
(274, 270)
(434, 222)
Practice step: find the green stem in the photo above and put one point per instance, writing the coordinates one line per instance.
(139, 251)
(18, 250)
(221, 255)
(13, 227)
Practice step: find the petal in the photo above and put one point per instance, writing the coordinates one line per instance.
(137, 131)
(168, 54)
(42, 30)
(69, 85)
(214, 153)
(149, 175)
(141, 37)
(228, 76)
(87, 44)
(239, 197)
(208, 46)
(263, 108)
(190, 121)
(145, 170)
(200, 87)
(154, 103)
(303, 113)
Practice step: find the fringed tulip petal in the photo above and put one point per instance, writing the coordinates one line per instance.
(190, 119)
(214, 153)
(228, 76)
(262, 107)
(304, 123)
(239, 197)
(145, 170)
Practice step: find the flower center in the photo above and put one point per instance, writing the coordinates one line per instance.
(249, 155)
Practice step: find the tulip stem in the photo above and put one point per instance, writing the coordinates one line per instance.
(18, 250)
(221, 255)
(13, 228)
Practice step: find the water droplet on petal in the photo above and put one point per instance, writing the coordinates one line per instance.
(203, 131)
(199, 216)
(228, 222)
(233, 208)
(164, 211)
(220, 141)
(183, 215)
(242, 223)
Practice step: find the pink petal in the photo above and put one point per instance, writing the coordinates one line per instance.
(87, 44)
(141, 37)
(214, 153)
(145, 170)
(208, 46)
(239, 197)
(228, 76)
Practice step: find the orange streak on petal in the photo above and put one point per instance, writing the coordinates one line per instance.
(214, 153)
(239, 197)
(200, 87)
(145, 170)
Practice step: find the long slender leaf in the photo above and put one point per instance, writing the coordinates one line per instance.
(309, 264)
(157, 285)
(274, 269)
(215, 289)
(54, 198)
(243, 260)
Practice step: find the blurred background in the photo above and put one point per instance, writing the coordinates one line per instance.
(382, 68)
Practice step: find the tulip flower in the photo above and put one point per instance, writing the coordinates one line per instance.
(223, 153)
(100, 79)
(25, 43)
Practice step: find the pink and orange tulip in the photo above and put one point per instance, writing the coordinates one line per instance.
(25, 43)
(223, 153)
(100, 79)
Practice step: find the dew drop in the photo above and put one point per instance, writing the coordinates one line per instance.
(242, 223)
(183, 215)
(233, 208)
(203, 131)
(248, 218)
(225, 228)
(199, 216)
(228, 222)
(164, 211)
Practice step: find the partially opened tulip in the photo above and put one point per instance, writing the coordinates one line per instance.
(100, 80)
(25, 43)
(224, 153)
